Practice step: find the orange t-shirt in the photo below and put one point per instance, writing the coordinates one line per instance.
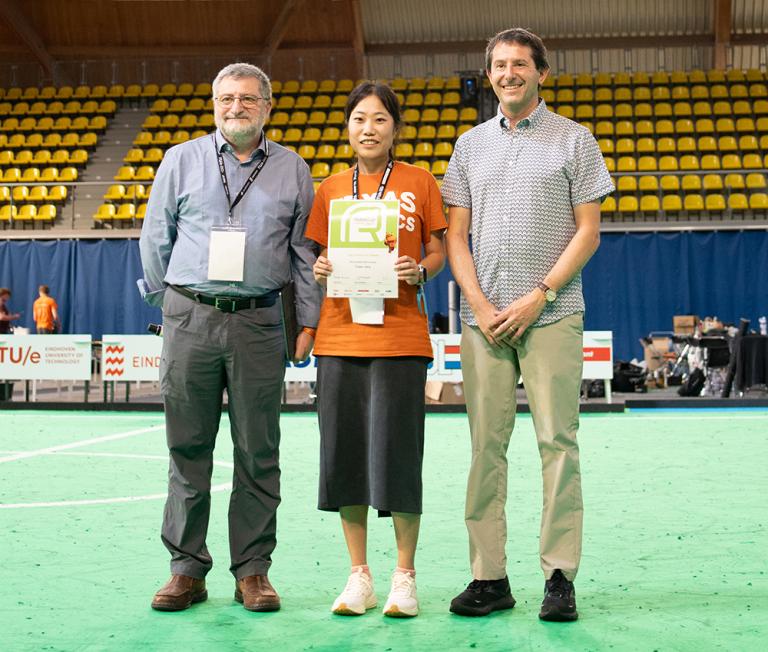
(405, 330)
(43, 309)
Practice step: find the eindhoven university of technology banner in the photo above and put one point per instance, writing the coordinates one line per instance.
(45, 357)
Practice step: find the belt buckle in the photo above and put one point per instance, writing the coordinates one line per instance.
(225, 304)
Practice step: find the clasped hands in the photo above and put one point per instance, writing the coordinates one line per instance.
(509, 325)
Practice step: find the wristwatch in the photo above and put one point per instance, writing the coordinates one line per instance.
(549, 294)
(422, 275)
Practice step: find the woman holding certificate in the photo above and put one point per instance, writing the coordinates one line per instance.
(380, 226)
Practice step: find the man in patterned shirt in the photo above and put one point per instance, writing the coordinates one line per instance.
(528, 184)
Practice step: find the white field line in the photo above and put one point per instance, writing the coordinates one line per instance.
(78, 444)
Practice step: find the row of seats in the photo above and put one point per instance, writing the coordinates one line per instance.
(70, 140)
(645, 145)
(690, 203)
(44, 157)
(700, 109)
(670, 163)
(55, 109)
(658, 78)
(122, 214)
(165, 139)
(119, 193)
(13, 215)
(754, 181)
(126, 173)
(656, 94)
(51, 174)
(33, 194)
(681, 126)
(99, 92)
(80, 124)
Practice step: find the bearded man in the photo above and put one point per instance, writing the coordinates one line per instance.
(223, 233)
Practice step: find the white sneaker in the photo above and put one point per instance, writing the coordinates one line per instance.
(357, 596)
(402, 601)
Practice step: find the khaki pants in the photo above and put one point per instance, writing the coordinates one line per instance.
(550, 360)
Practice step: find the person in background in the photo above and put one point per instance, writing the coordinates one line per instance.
(46, 312)
(371, 377)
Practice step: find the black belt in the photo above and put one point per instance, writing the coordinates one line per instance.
(229, 304)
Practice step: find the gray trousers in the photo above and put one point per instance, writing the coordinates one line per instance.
(204, 352)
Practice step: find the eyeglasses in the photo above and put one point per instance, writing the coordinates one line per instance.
(247, 101)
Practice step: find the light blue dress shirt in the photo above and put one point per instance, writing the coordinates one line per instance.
(188, 198)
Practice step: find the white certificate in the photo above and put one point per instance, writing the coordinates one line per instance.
(362, 247)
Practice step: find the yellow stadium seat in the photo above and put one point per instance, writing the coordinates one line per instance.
(738, 91)
(19, 194)
(603, 111)
(78, 158)
(22, 157)
(417, 84)
(132, 92)
(689, 162)
(188, 121)
(144, 139)
(606, 145)
(604, 128)
(702, 109)
(125, 213)
(640, 94)
(12, 175)
(308, 87)
(285, 103)
(46, 215)
(339, 167)
(625, 146)
(320, 170)
(327, 86)
(278, 119)
(649, 204)
(204, 89)
(748, 143)
(303, 103)
(403, 151)
(439, 167)
(699, 92)
(628, 204)
(625, 110)
(709, 162)
(125, 173)
(196, 105)
(756, 181)
(718, 91)
(151, 122)
(446, 132)
(430, 115)
(734, 181)
(68, 174)
(646, 145)
(307, 152)
(726, 144)
(704, 126)
(149, 91)
(115, 193)
(693, 203)
(603, 95)
(326, 153)
(715, 77)
(714, 202)
(292, 135)
(681, 109)
(423, 150)
(584, 112)
(443, 150)
(670, 183)
(468, 114)
(330, 135)
(424, 165)
(705, 144)
(8, 213)
(752, 161)
(153, 155)
(144, 173)
(141, 211)
(737, 201)
(665, 145)
(116, 92)
(626, 164)
(647, 164)
(691, 183)
(626, 185)
(648, 183)
(758, 90)
(625, 128)
(38, 194)
(316, 118)
(684, 126)
(731, 162)
(712, 182)
(30, 175)
(603, 79)
(133, 156)
(344, 152)
(49, 175)
(608, 205)
(463, 129)
(754, 75)
(664, 127)
(758, 201)
(177, 105)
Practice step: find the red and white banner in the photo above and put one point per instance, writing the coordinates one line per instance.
(131, 357)
(446, 366)
(45, 357)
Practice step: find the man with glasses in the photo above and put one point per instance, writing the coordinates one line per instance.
(223, 233)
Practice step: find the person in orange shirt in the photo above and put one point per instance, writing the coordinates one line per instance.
(45, 311)
(371, 377)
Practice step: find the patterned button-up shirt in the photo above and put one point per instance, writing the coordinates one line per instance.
(521, 185)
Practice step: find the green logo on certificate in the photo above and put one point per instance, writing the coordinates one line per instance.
(364, 224)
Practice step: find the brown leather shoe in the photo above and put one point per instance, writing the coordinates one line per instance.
(256, 594)
(179, 593)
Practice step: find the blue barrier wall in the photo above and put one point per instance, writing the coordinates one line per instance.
(634, 284)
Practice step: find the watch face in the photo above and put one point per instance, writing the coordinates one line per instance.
(550, 295)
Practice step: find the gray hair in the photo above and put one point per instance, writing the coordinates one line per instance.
(244, 70)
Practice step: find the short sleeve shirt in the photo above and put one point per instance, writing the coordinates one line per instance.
(521, 185)
(405, 331)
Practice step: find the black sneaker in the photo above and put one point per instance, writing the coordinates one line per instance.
(482, 597)
(559, 603)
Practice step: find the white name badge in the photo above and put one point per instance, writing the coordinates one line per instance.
(367, 310)
(226, 255)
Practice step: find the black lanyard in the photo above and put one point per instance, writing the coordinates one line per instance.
(382, 185)
(256, 171)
